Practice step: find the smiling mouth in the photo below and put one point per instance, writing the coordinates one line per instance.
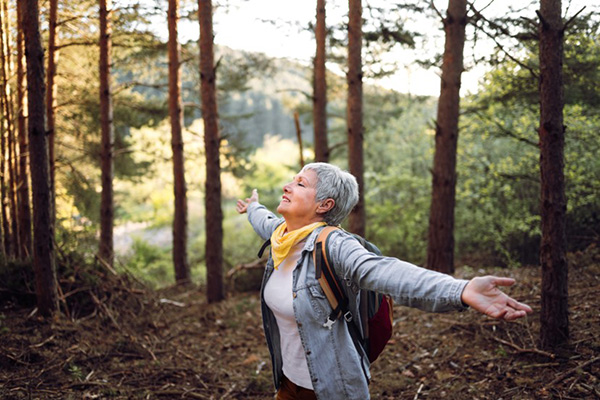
(284, 198)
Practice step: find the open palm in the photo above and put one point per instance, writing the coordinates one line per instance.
(483, 295)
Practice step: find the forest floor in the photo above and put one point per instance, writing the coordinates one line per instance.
(126, 341)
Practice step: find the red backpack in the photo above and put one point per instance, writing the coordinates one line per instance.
(376, 310)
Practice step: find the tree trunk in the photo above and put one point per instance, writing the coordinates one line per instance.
(51, 92)
(554, 317)
(299, 137)
(106, 251)
(180, 261)
(11, 156)
(320, 88)
(23, 186)
(43, 231)
(355, 113)
(440, 249)
(214, 214)
(8, 209)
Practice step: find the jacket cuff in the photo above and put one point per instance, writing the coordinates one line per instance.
(458, 291)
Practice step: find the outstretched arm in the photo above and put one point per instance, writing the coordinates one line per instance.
(262, 220)
(242, 205)
(483, 295)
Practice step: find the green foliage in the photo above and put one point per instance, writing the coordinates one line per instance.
(498, 161)
(497, 220)
(149, 263)
(240, 244)
(273, 165)
(398, 182)
(75, 371)
(497, 210)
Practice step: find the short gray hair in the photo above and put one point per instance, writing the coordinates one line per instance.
(337, 184)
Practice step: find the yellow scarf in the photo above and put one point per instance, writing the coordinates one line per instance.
(282, 242)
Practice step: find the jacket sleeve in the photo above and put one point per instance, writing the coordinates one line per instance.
(262, 220)
(406, 283)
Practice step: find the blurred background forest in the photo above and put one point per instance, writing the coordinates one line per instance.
(497, 194)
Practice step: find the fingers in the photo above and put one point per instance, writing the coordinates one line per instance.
(514, 314)
(519, 306)
(501, 281)
(241, 206)
(512, 310)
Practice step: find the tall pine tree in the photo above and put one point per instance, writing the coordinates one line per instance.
(355, 113)
(23, 186)
(212, 140)
(440, 245)
(43, 231)
(554, 315)
(180, 261)
(320, 88)
(106, 251)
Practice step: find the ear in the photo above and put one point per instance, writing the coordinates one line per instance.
(325, 206)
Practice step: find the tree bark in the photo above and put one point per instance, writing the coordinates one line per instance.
(355, 113)
(554, 315)
(440, 249)
(320, 88)
(106, 251)
(23, 186)
(299, 137)
(11, 155)
(5, 166)
(51, 92)
(214, 214)
(43, 231)
(180, 261)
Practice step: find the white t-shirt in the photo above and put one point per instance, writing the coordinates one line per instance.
(278, 296)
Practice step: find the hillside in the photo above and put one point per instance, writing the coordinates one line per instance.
(257, 94)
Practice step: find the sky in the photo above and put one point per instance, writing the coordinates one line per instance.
(241, 26)
(288, 39)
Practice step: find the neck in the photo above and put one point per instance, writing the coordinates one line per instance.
(293, 225)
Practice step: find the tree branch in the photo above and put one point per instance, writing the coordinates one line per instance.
(498, 44)
(508, 132)
(84, 43)
(542, 20)
(572, 371)
(308, 95)
(566, 25)
(436, 10)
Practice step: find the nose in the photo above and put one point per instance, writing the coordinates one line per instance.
(286, 187)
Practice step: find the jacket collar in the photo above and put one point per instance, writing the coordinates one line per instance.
(311, 239)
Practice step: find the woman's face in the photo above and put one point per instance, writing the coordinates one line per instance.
(298, 203)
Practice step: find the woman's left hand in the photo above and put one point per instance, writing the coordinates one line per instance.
(242, 205)
(482, 294)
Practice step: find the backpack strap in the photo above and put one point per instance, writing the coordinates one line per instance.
(329, 281)
(327, 277)
(332, 288)
(264, 246)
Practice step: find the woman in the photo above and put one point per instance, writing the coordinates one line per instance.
(309, 360)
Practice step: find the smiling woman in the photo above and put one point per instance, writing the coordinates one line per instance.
(299, 203)
(304, 349)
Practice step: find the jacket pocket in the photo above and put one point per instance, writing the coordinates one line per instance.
(319, 302)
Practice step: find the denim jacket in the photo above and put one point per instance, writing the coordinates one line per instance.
(337, 368)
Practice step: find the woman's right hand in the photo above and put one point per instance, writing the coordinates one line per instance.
(242, 205)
